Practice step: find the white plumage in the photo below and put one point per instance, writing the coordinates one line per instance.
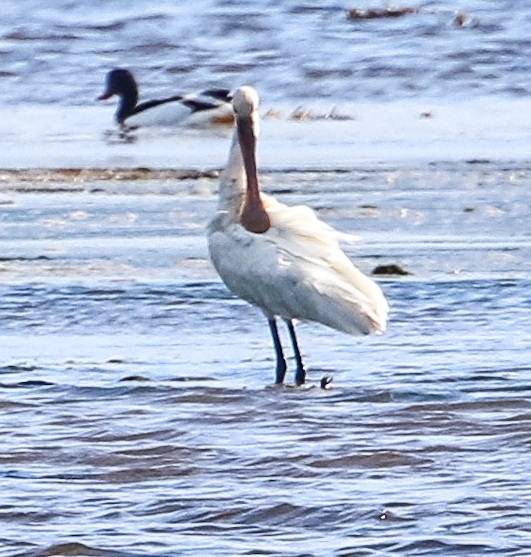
(292, 267)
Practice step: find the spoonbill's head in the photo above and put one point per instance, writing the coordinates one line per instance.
(245, 101)
(118, 82)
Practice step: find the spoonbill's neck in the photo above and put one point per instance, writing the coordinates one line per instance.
(254, 217)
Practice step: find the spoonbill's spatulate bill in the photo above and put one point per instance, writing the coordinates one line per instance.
(284, 259)
(167, 111)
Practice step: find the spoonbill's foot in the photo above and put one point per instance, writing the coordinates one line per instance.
(300, 376)
(280, 372)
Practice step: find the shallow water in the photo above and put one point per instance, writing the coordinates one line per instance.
(137, 412)
(136, 409)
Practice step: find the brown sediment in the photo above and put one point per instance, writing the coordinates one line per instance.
(44, 175)
(375, 13)
(222, 120)
(302, 114)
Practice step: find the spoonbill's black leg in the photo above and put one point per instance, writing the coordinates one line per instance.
(281, 362)
(300, 373)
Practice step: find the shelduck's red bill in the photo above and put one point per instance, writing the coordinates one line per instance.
(104, 96)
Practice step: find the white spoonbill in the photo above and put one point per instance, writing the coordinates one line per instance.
(210, 104)
(284, 259)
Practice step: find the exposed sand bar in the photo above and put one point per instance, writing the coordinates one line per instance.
(71, 179)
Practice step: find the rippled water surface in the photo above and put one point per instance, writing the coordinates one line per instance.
(137, 412)
(137, 415)
(58, 52)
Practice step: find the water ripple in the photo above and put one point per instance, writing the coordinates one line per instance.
(293, 53)
(137, 414)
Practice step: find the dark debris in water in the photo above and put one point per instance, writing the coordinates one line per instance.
(36, 258)
(460, 19)
(390, 269)
(380, 13)
(478, 161)
(115, 361)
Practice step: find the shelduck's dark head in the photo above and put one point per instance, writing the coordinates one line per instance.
(122, 83)
(118, 82)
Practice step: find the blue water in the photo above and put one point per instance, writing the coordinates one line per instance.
(293, 52)
(137, 412)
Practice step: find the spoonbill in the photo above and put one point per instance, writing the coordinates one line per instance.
(210, 103)
(283, 259)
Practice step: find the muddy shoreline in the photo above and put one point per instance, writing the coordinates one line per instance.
(80, 175)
